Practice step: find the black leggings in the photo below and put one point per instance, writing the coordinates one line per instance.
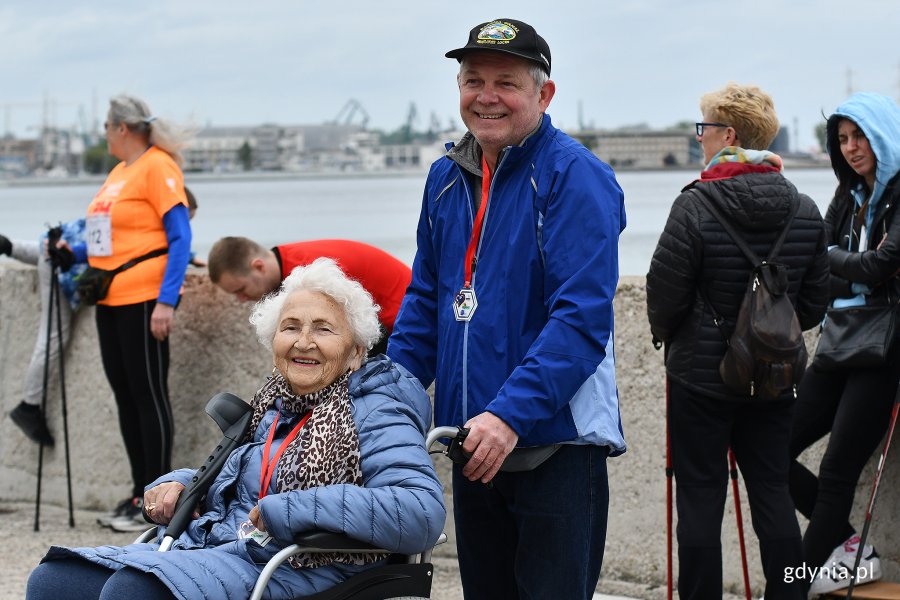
(855, 407)
(137, 367)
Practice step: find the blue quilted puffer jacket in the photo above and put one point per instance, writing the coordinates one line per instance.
(399, 507)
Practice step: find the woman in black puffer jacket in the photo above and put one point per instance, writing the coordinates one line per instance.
(853, 405)
(697, 263)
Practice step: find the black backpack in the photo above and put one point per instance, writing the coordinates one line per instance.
(766, 353)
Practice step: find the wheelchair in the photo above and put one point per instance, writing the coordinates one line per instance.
(401, 577)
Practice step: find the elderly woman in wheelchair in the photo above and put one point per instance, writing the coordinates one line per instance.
(335, 443)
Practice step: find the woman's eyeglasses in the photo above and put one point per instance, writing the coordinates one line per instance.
(700, 127)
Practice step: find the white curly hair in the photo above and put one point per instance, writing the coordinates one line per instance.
(323, 276)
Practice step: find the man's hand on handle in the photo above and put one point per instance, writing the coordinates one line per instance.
(489, 442)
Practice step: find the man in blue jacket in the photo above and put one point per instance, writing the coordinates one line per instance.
(510, 310)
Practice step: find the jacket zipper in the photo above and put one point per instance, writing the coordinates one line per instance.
(487, 210)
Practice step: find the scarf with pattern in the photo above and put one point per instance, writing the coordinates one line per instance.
(736, 154)
(325, 452)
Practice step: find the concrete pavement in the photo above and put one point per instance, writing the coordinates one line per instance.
(23, 549)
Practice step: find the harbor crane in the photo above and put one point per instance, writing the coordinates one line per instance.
(350, 110)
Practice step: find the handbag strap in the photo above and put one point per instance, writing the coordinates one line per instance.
(142, 258)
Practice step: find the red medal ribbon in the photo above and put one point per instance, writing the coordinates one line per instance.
(268, 467)
(479, 219)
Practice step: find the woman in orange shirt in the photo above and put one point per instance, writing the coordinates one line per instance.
(141, 208)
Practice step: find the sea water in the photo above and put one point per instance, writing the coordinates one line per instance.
(382, 211)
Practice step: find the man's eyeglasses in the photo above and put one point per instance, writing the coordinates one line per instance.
(700, 126)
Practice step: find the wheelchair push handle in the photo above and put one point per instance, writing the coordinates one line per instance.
(233, 416)
(456, 437)
(520, 459)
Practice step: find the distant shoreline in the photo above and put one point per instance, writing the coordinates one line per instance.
(43, 181)
(37, 181)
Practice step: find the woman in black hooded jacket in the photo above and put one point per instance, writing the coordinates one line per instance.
(852, 404)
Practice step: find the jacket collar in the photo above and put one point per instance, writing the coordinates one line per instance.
(467, 153)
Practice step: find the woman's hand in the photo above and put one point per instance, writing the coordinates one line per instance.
(161, 320)
(255, 517)
(159, 501)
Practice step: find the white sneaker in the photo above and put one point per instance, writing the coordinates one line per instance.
(119, 511)
(132, 519)
(836, 572)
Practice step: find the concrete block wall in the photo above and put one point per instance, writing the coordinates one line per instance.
(214, 349)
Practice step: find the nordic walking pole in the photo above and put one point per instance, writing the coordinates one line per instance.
(62, 390)
(669, 474)
(732, 464)
(871, 507)
(40, 470)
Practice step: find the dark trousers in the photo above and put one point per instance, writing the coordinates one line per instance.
(854, 406)
(701, 430)
(77, 579)
(535, 535)
(137, 367)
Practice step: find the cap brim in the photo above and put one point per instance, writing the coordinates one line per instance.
(460, 52)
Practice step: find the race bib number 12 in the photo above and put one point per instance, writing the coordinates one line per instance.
(99, 235)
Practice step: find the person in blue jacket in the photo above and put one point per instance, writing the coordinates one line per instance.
(510, 312)
(347, 441)
(852, 405)
(28, 414)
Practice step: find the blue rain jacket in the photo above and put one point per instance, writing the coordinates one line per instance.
(538, 351)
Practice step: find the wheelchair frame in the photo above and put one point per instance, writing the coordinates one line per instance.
(402, 577)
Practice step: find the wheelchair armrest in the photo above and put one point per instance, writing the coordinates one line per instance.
(147, 536)
(327, 541)
(310, 541)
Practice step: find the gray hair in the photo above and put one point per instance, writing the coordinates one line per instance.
(136, 116)
(323, 276)
(537, 72)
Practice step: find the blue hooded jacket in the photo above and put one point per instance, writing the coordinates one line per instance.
(867, 267)
(879, 118)
(399, 506)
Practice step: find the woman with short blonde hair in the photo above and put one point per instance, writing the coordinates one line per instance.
(697, 281)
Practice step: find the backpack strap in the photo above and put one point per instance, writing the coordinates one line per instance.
(142, 258)
(741, 243)
(748, 252)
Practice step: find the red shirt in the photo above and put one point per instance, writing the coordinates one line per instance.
(381, 274)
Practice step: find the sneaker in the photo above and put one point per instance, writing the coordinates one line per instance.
(836, 572)
(31, 421)
(107, 519)
(132, 519)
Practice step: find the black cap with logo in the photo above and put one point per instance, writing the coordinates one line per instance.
(509, 36)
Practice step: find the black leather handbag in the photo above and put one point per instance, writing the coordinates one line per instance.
(856, 336)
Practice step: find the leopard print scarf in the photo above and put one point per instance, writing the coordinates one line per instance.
(325, 452)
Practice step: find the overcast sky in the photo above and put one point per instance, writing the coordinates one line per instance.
(299, 62)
